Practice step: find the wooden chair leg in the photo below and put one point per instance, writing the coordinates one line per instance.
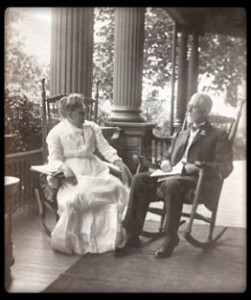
(204, 245)
(211, 240)
(163, 219)
(188, 233)
(39, 204)
(159, 233)
(212, 226)
(41, 211)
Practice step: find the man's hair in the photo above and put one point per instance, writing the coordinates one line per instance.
(70, 103)
(204, 100)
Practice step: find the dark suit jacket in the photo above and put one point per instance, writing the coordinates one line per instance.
(210, 145)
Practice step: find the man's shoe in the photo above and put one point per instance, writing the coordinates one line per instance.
(129, 243)
(135, 242)
(167, 248)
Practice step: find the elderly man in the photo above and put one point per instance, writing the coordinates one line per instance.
(200, 142)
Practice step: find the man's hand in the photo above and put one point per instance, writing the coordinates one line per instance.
(191, 168)
(69, 175)
(166, 166)
(126, 174)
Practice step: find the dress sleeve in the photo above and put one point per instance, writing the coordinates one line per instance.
(55, 149)
(103, 146)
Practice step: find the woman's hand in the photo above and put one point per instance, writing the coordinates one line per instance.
(126, 174)
(52, 182)
(166, 166)
(69, 175)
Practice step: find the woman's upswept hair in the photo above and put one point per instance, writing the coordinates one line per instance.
(70, 103)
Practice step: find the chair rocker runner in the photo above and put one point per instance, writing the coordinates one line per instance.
(45, 195)
(230, 125)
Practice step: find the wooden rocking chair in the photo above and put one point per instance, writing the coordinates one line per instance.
(46, 196)
(157, 149)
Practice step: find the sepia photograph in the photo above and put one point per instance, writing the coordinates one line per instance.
(125, 150)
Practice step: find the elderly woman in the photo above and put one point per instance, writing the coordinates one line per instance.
(91, 201)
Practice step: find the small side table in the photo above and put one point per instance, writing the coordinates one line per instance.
(10, 188)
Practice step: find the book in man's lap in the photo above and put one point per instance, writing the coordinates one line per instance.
(176, 170)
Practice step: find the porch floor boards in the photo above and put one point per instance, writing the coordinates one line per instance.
(36, 264)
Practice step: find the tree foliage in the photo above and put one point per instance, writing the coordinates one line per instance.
(104, 50)
(21, 68)
(23, 119)
(221, 57)
(157, 47)
(224, 58)
(22, 88)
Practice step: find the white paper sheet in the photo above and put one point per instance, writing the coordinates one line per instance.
(176, 170)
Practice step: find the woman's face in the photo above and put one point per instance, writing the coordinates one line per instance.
(77, 117)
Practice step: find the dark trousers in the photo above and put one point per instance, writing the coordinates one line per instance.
(144, 190)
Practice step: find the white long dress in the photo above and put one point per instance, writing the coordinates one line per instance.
(91, 211)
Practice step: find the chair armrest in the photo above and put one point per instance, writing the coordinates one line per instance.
(45, 169)
(48, 193)
(48, 186)
(208, 166)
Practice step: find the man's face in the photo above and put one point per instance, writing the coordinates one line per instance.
(196, 111)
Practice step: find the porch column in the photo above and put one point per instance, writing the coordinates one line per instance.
(182, 80)
(128, 64)
(193, 66)
(72, 50)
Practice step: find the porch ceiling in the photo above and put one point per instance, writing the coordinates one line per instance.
(222, 20)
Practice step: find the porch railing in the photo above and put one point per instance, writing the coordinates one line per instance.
(18, 165)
